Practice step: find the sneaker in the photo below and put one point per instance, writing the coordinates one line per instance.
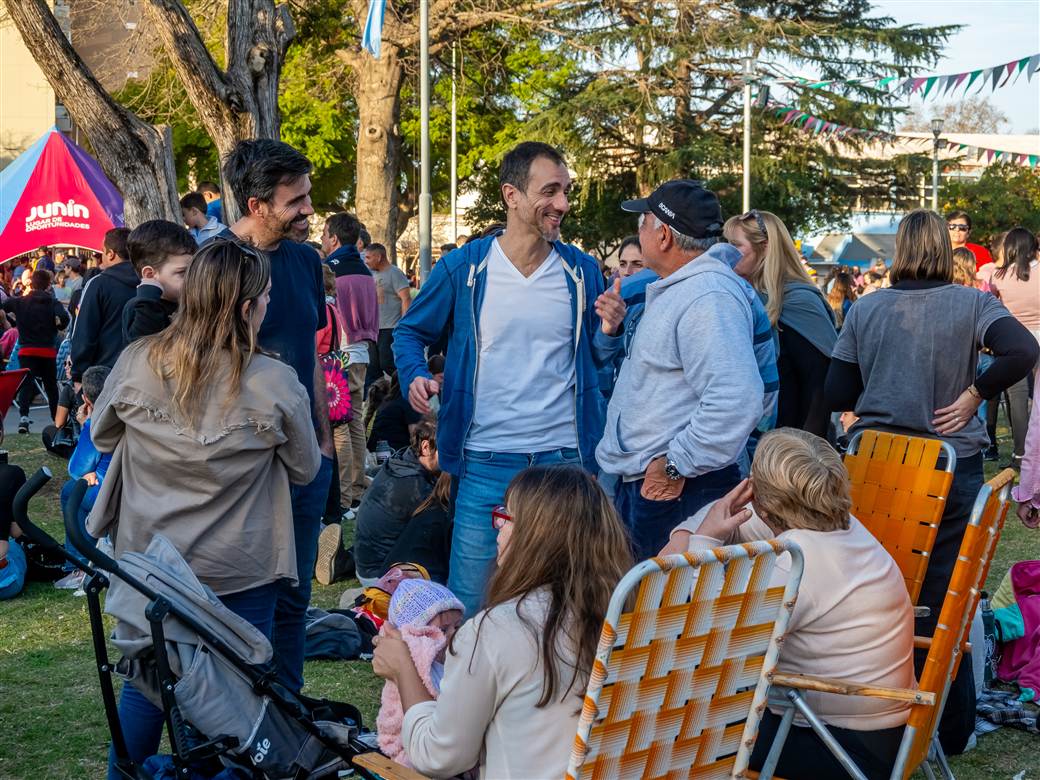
(991, 453)
(79, 592)
(23, 425)
(329, 544)
(351, 513)
(71, 581)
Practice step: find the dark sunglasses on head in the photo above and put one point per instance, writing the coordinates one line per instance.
(961, 228)
(499, 517)
(758, 218)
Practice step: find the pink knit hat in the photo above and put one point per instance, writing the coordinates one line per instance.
(417, 602)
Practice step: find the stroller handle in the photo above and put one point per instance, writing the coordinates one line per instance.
(20, 509)
(85, 544)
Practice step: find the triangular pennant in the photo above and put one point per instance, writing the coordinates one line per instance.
(928, 86)
(989, 155)
(949, 83)
(960, 78)
(974, 75)
(961, 146)
(1032, 160)
(915, 84)
(1034, 64)
(886, 81)
(1010, 67)
(995, 75)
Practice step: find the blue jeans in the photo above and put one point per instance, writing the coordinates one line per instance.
(84, 510)
(481, 486)
(142, 722)
(650, 523)
(985, 361)
(12, 576)
(290, 623)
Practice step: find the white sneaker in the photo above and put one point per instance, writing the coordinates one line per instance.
(72, 581)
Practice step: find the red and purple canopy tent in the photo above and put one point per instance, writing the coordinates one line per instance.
(55, 193)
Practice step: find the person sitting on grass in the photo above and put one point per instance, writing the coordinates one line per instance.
(160, 252)
(60, 438)
(516, 672)
(852, 619)
(87, 464)
(13, 564)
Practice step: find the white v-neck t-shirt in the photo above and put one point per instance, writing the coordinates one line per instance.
(525, 369)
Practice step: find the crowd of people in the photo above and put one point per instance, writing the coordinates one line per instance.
(521, 429)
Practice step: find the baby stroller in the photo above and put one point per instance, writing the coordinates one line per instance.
(209, 671)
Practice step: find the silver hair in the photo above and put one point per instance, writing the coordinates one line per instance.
(684, 242)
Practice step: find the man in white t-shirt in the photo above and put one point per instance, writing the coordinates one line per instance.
(520, 383)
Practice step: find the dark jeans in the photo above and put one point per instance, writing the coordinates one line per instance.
(142, 722)
(650, 523)
(44, 369)
(958, 718)
(308, 505)
(380, 356)
(50, 432)
(804, 754)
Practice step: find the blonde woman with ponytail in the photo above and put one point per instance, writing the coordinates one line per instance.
(803, 321)
(207, 432)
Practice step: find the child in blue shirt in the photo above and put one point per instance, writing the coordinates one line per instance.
(86, 463)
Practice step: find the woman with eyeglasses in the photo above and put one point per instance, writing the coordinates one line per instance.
(207, 433)
(516, 672)
(958, 224)
(803, 321)
(905, 361)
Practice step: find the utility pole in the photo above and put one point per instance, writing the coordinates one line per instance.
(425, 197)
(937, 128)
(454, 155)
(749, 74)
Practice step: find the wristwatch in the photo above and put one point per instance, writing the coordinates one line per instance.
(671, 471)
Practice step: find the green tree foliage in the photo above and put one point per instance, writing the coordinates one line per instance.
(1005, 196)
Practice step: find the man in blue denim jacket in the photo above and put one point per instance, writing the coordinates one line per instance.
(520, 382)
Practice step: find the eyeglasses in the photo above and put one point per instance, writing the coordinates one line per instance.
(499, 517)
(758, 218)
(961, 228)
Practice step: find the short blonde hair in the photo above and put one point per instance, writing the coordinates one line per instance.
(923, 248)
(800, 482)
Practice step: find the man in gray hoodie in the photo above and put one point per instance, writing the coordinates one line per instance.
(689, 392)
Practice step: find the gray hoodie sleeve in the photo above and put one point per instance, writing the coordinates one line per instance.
(718, 358)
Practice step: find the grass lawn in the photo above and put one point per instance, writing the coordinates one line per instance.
(52, 724)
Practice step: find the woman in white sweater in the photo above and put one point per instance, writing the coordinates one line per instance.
(514, 679)
(853, 619)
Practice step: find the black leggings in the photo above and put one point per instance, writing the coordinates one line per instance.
(805, 756)
(44, 369)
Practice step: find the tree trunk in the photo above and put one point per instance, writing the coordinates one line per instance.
(242, 102)
(136, 156)
(377, 94)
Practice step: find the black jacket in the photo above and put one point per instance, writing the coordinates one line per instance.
(39, 317)
(97, 338)
(386, 508)
(146, 313)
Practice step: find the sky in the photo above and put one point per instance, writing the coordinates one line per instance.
(993, 32)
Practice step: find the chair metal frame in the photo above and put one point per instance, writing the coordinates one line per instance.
(920, 745)
(680, 681)
(918, 488)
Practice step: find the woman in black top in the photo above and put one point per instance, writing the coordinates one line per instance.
(906, 361)
(803, 322)
(39, 317)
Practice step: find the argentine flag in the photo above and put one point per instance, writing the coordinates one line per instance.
(373, 36)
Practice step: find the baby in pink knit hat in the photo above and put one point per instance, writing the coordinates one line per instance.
(427, 614)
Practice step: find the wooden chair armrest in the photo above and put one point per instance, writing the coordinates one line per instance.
(807, 682)
(925, 643)
(385, 767)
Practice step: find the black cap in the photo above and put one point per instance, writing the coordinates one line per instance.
(682, 204)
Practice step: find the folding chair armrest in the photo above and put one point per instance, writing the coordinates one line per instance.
(925, 643)
(922, 612)
(807, 682)
(385, 767)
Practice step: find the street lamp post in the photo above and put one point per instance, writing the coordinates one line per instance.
(425, 196)
(749, 74)
(937, 128)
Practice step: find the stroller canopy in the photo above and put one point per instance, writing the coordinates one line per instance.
(55, 193)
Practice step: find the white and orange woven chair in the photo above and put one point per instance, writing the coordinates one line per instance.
(945, 650)
(680, 681)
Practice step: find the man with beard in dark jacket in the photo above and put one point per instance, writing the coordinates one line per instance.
(98, 338)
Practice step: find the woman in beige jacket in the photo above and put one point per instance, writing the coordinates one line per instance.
(206, 433)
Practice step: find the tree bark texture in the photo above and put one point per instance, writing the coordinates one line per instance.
(378, 98)
(136, 157)
(241, 102)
